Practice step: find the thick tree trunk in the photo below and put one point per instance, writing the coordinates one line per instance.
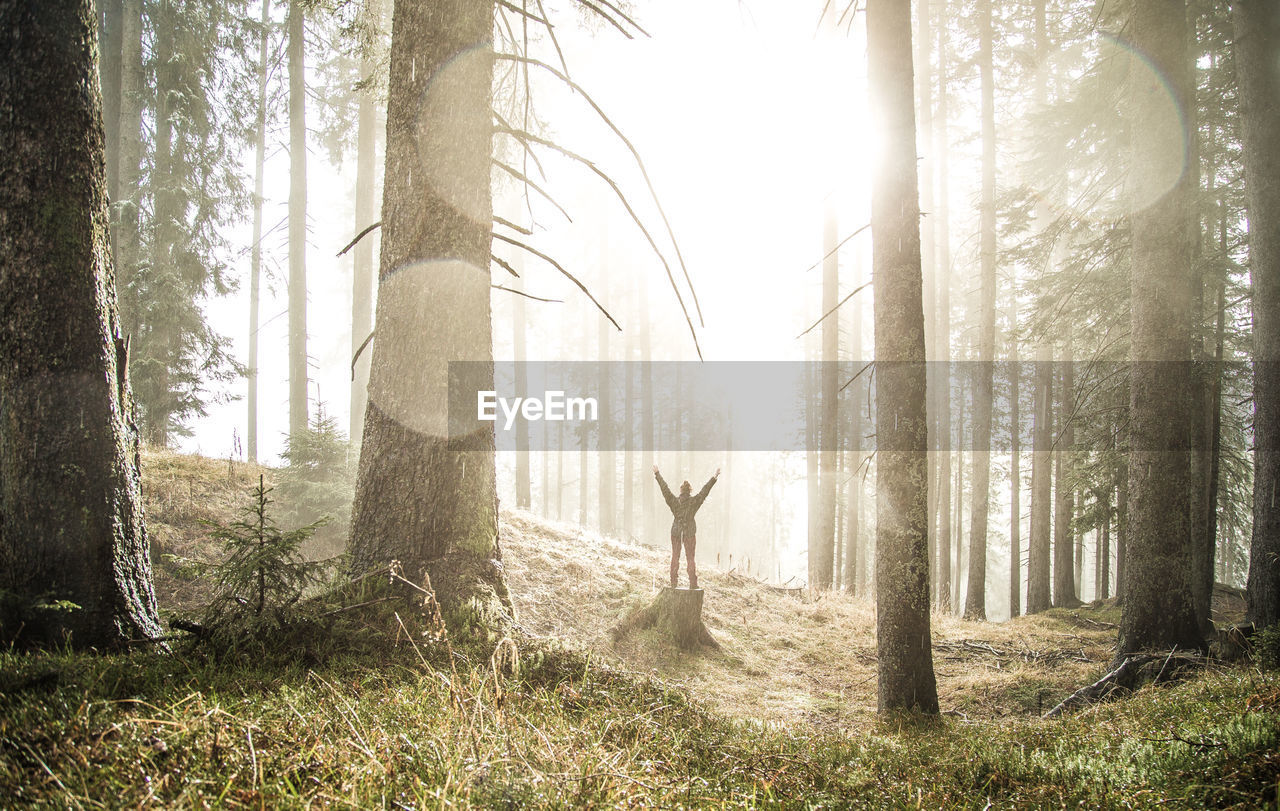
(297, 219)
(422, 497)
(905, 658)
(1257, 24)
(364, 271)
(255, 253)
(975, 607)
(1038, 553)
(1157, 609)
(71, 525)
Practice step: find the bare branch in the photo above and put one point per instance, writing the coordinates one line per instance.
(526, 295)
(504, 264)
(833, 309)
(525, 136)
(635, 154)
(858, 375)
(523, 13)
(560, 268)
(600, 13)
(551, 31)
(838, 246)
(528, 152)
(623, 15)
(359, 237)
(518, 175)
(356, 356)
(519, 228)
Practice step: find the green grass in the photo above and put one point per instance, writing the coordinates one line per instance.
(410, 730)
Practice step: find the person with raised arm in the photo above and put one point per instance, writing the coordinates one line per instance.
(683, 527)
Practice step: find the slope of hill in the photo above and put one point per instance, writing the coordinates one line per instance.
(780, 717)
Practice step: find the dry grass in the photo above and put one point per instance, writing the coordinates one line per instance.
(787, 658)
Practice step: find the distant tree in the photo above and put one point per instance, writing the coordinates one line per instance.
(942, 329)
(906, 679)
(296, 33)
(1157, 605)
(255, 251)
(975, 606)
(1257, 41)
(424, 498)
(1064, 562)
(1038, 555)
(74, 557)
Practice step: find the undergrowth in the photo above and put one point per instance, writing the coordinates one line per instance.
(426, 724)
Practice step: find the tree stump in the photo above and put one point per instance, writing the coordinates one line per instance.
(677, 613)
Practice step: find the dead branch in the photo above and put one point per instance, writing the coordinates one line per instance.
(531, 138)
(523, 13)
(504, 264)
(600, 13)
(518, 228)
(529, 153)
(561, 268)
(623, 15)
(635, 154)
(838, 246)
(518, 175)
(526, 295)
(359, 237)
(856, 290)
(555, 43)
(1132, 673)
(356, 356)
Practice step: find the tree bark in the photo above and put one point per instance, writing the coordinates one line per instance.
(1157, 609)
(423, 497)
(1257, 25)
(905, 659)
(71, 524)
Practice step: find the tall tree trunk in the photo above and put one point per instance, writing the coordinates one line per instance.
(1015, 473)
(524, 499)
(975, 607)
(111, 40)
(364, 271)
(942, 332)
(1064, 567)
(628, 439)
(648, 440)
(1157, 610)
(1038, 553)
(424, 498)
(297, 220)
(1257, 25)
(829, 404)
(158, 397)
(905, 659)
(255, 252)
(855, 557)
(928, 256)
(71, 524)
(1122, 525)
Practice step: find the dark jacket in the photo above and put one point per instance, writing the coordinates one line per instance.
(683, 507)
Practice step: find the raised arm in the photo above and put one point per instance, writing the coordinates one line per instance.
(706, 489)
(666, 491)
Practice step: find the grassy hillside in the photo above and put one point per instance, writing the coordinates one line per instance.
(784, 714)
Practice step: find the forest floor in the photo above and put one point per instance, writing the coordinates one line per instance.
(783, 714)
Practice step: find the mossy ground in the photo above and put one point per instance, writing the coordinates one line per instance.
(782, 717)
